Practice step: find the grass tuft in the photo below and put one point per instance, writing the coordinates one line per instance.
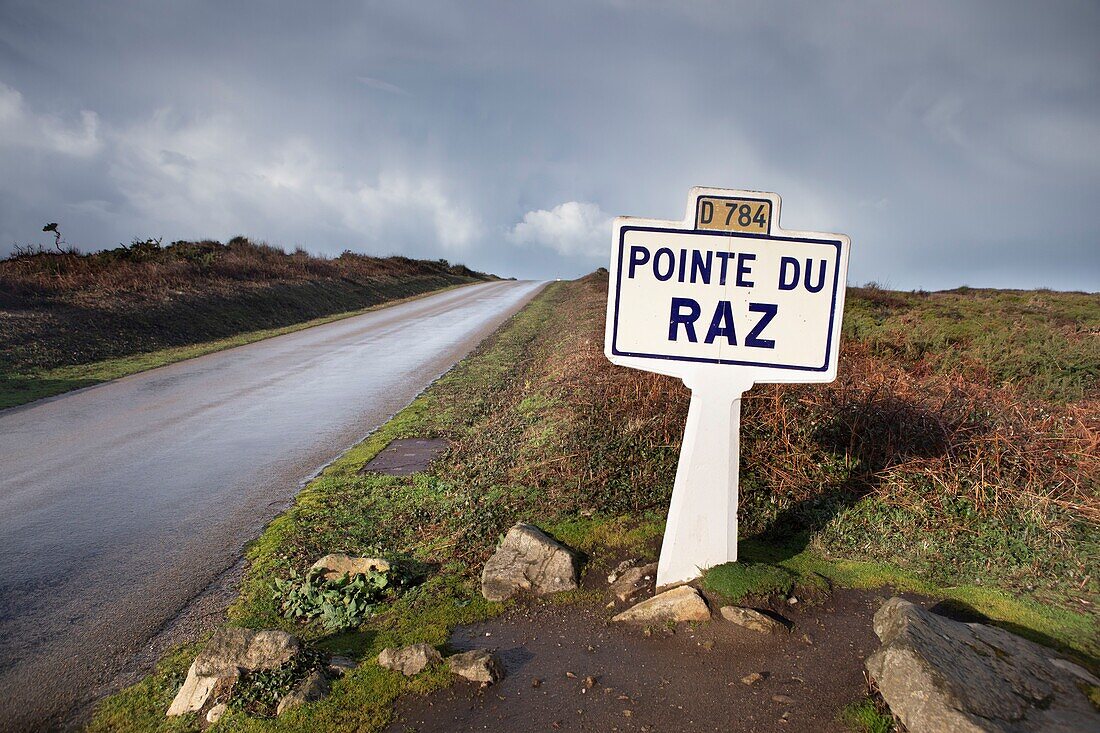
(736, 581)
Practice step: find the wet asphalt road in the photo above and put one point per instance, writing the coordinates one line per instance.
(122, 502)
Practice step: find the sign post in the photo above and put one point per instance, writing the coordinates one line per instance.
(722, 300)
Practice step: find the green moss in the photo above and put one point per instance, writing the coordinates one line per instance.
(866, 717)
(736, 581)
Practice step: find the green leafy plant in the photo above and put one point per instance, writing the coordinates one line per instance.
(258, 693)
(341, 603)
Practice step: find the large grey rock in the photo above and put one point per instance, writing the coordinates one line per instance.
(633, 582)
(194, 693)
(942, 676)
(528, 560)
(338, 565)
(752, 620)
(231, 649)
(679, 604)
(409, 660)
(479, 665)
(313, 687)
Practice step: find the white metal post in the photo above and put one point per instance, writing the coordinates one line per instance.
(701, 530)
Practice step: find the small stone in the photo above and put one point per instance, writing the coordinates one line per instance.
(338, 565)
(536, 682)
(570, 675)
(792, 600)
(312, 688)
(528, 560)
(752, 620)
(785, 699)
(214, 714)
(410, 660)
(193, 694)
(752, 678)
(633, 582)
(589, 682)
(628, 713)
(340, 666)
(679, 604)
(479, 665)
(620, 568)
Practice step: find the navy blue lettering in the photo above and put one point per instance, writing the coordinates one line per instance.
(722, 324)
(744, 269)
(687, 319)
(701, 268)
(638, 256)
(784, 263)
(725, 257)
(665, 252)
(768, 311)
(820, 280)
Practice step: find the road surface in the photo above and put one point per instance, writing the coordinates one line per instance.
(122, 502)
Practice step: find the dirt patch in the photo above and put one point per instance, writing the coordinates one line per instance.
(406, 456)
(687, 680)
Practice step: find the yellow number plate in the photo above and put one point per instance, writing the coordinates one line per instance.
(733, 215)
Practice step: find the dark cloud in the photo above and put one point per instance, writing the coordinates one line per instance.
(954, 142)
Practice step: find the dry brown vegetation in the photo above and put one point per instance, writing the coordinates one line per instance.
(923, 458)
(144, 267)
(68, 309)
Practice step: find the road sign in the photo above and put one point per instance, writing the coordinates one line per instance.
(722, 300)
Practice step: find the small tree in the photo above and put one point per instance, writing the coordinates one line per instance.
(57, 240)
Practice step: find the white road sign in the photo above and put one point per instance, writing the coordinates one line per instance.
(723, 299)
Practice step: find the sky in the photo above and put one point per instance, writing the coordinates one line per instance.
(956, 143)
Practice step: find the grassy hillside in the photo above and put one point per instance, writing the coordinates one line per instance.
(69, 319)
(938, 462)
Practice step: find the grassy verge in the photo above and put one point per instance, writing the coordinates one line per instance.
(897, 443)
(21, 388)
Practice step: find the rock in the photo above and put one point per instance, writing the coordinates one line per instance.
(943, 676)
(194, 693)
(214, 714)
(337, 565)
(624, 565)
(679, 604)
(528, 560)
(313, 687)
(231, 649)
(410, 660)
(479, 665)
(752, 678)
(783, 699)
(752, 620)
(340, 666)
(633, 582)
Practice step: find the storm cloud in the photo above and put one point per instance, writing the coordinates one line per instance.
(955, 143)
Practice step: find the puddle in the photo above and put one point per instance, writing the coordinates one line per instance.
(406, 456)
